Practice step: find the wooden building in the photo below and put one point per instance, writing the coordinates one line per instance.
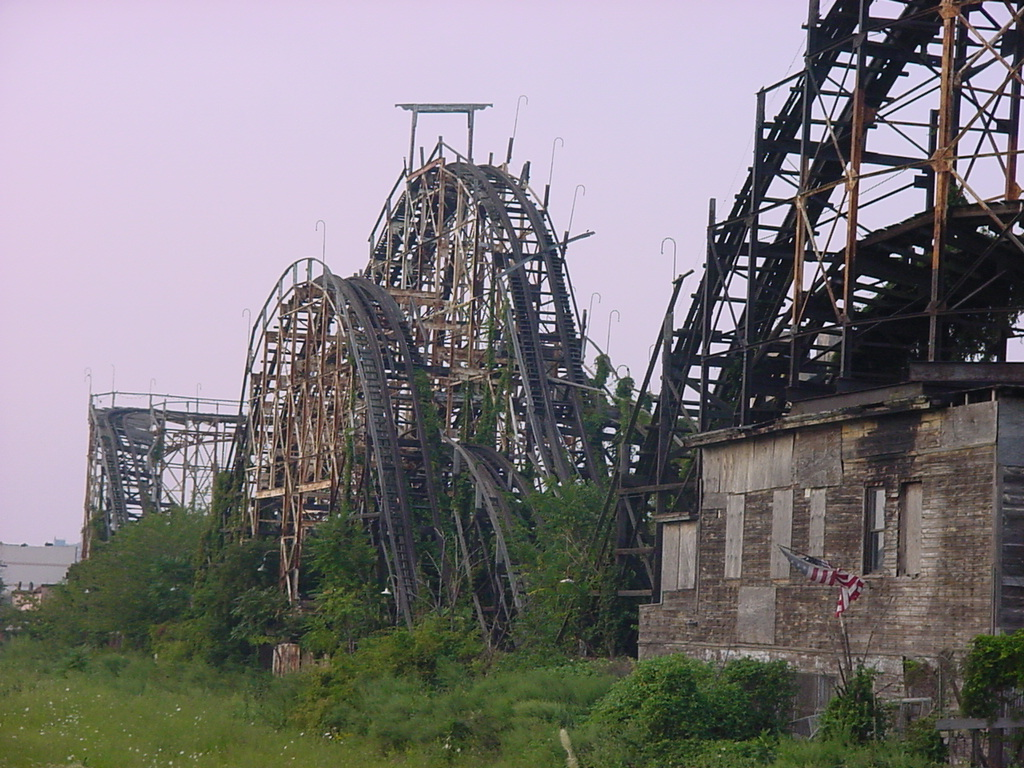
(917, 487)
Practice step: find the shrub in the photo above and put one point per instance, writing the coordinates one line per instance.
(449, 708)
(835, 754)
(993, 673)
(664, 699)
(341, 566)
(213, 627)
(768, 688)
(923, 739)
(855, 715)
(434, 651)
(665, 711)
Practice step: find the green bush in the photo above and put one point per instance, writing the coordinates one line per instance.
(669, 706)
(236, 607)
(855, 715)
(573, 599)
(768, 691)
(341, 567)
(421, 690)
(721, 753)
(993, 672)
(923, 739)
(437, 649)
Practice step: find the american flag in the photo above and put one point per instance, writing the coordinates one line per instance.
(821, 572)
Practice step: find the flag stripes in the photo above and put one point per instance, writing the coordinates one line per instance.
(821, 572)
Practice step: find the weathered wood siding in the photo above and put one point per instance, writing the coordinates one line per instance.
(818, 474)
(1010, 542)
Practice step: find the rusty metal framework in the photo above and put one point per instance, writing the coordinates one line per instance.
(880, 224)
(148, 453)
(454, 358)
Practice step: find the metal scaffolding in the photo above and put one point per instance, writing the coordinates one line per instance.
(149, 453)
(880, 225)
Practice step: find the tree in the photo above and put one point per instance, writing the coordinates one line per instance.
(140, 579)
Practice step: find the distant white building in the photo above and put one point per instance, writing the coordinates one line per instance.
(31, 569)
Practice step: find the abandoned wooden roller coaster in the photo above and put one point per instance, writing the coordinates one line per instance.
(454, 358)
(873, 250)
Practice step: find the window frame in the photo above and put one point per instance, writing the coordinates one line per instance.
(873, 559)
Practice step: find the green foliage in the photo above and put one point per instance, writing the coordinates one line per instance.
(235, 605)
(923, 739)
(103, 708)
(768, 689)
(424, 690)
(226, 506)
(599, 414)
(855, 715)
(432, 427)
(435, 650)
(840, 754)
(665, 699)
(993, 670)
(624, 390)
(261, 616)
(718, 753)
(602, 370)
(562, 579)
(140, 579)
(129, 711)
(661, 713)
(348, 605)
(223, 623)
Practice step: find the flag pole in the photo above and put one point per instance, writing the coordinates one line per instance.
(850, 587)
(846, 666)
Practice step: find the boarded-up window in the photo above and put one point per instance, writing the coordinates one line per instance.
(755, 615)
(679, 555)
(816, 534)
(908, 559)
(782, 532)
(734, 504)
(874, 529)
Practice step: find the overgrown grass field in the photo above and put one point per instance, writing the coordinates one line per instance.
(194, 611)
(101, 709)
(125, 712)
(108, 710)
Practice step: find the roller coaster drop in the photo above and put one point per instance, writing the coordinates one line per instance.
(455, 357)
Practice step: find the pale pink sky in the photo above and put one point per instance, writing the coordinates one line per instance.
(161, 163)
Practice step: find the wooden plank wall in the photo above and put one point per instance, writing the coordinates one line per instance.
(950, 451)
(1010, 544)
